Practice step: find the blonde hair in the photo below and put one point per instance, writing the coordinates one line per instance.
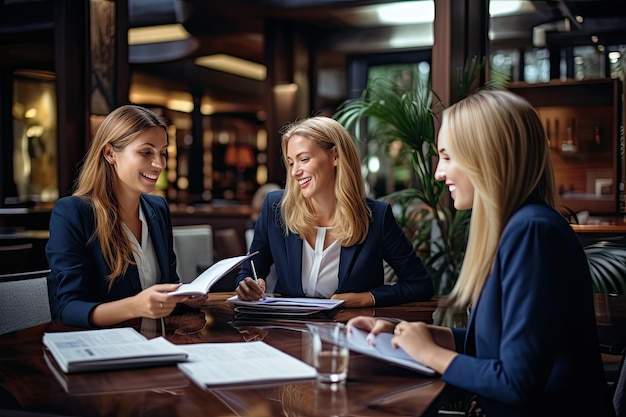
(352, 215)
(96, 180)
(499, 141)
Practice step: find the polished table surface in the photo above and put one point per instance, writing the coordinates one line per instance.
(373, 388)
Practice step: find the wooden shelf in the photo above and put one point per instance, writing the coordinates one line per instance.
(587, 113)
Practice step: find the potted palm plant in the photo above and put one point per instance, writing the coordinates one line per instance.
(405, 114)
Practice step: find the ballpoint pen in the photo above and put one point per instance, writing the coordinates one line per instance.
(256, 278)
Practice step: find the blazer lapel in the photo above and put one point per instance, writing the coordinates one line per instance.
(346, 260)
(294, 259)
(133, 277)
(160, 249)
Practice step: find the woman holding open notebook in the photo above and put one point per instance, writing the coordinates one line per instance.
(110, 249)
(322, 235)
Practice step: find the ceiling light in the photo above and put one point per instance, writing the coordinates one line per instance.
(407, 12)
(155, 34)
(233, 65)
(419, 36)
(185, 106)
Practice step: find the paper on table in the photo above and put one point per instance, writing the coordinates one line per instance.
(202, 284)
(90, 350)
(265, 312)
(289, 303)
(237, 363)
(357, 341)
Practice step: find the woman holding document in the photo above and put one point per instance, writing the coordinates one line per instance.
(323, 237)
(531, 344)
(110, 249)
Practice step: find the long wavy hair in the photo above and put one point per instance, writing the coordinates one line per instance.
(96, 180)
(352, 215)
(499, 141)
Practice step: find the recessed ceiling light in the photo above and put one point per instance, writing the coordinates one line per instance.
(155, 34)
(233, 65)
(406, 12)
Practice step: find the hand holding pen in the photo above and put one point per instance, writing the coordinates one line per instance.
(251, 289)
(259, 282)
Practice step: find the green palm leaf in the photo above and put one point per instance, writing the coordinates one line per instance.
(607, 264)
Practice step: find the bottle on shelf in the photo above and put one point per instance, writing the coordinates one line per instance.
(569, 145)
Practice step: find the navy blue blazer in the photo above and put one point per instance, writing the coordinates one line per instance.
(360, 266)
(531, 345)
(77, 281)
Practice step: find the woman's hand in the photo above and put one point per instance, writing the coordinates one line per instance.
(154, 302)
(419, 340)
(249, 290)
(355, 299)
(372, 325)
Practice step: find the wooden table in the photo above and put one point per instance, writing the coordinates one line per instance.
(374, 388)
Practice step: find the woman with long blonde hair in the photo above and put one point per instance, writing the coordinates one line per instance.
(321, 234)
(110, 249)
(531, 345)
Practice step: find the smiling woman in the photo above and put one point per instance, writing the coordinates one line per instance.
(110, 248)
(323, 228)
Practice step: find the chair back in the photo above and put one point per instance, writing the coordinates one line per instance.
(610, 310)
(193, 246)
(24, 300)
(228, 243)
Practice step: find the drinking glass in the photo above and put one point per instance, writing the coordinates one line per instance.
(329, 351)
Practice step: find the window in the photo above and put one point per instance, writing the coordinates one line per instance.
(385, 166)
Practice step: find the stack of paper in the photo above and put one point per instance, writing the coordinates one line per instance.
(124, 381)
(277, 306)
(104, 349)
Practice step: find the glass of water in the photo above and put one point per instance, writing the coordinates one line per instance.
(329, 351)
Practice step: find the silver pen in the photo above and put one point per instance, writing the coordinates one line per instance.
(256, 278)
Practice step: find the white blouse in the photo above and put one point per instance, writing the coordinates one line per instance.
(149, 271)
(320, 267)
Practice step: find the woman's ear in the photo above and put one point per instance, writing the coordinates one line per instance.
(108, 153)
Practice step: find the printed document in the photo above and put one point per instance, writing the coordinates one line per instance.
(242, 363)
(116, 348)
